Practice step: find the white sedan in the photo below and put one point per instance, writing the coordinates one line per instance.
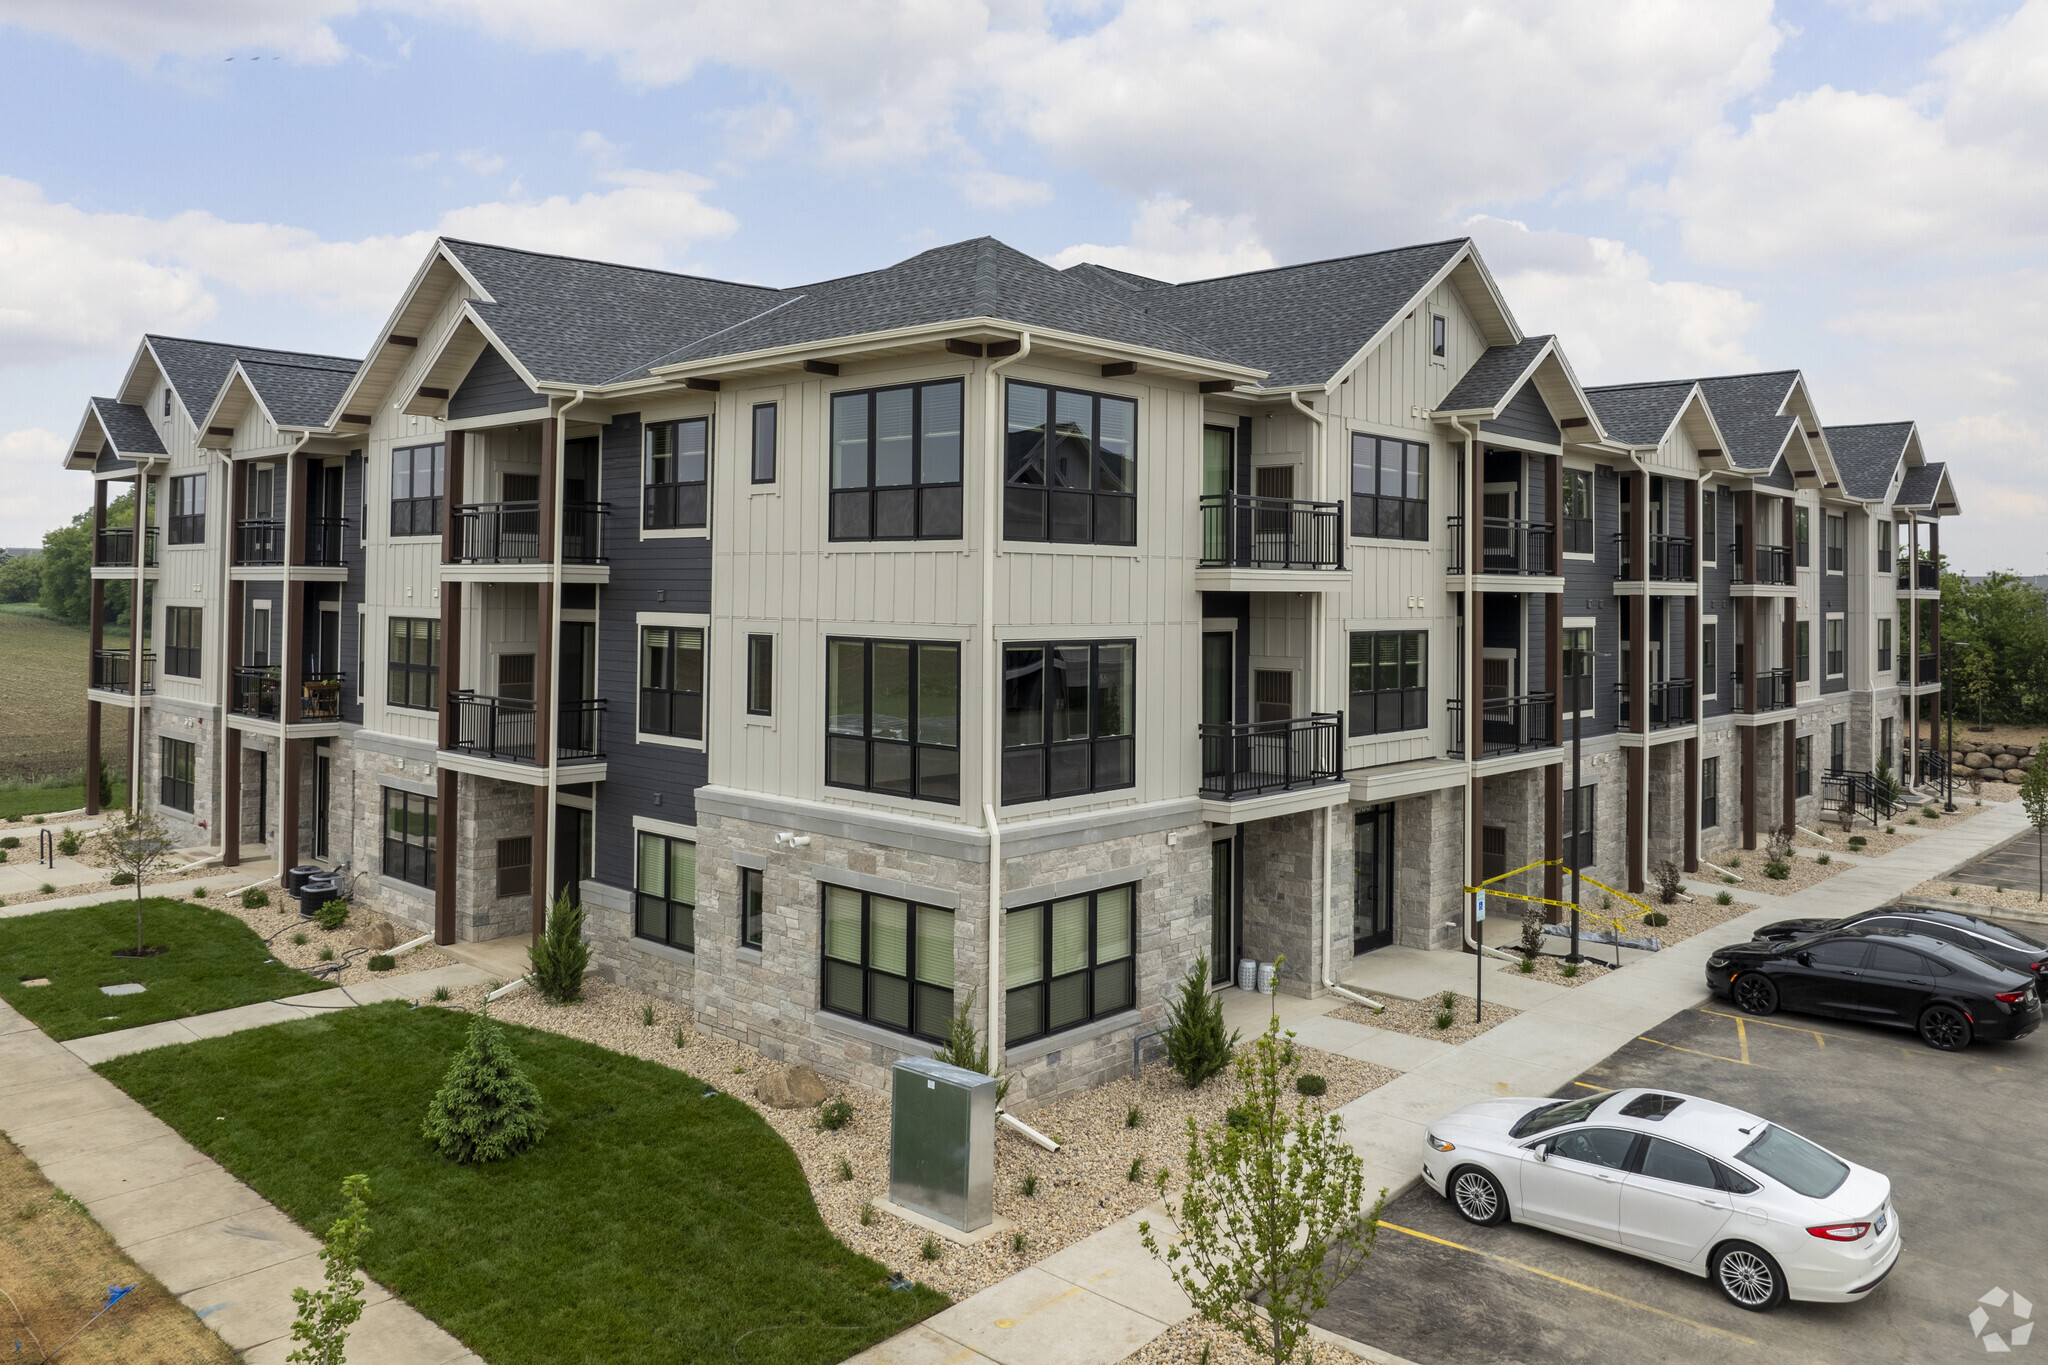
(1759, 1210)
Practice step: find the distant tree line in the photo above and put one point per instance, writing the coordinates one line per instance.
(1994, 643)
(59, 576)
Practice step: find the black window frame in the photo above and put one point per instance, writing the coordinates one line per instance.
(418, 514)
(1367, 712)
(760, 675)
(667, 708)
(1439, 336)
(1835, 644)
(177, 759)
(1108, 756)
(413, 850)
(1802, 765)
(921, 509)
(1377, 514)
(1802, 650)
(1710, 526)
(1032, 512)
(508, 861)
(187, 520)
(1710, 658)
(764, 451)
(927, 1006)
(401, 674)
(1581, 845)
(753, 906)
(1578, 529)
(686, 506)
(1710, 791)
(678, 917)
(1838, 746)
(1884, 644)
(1577, 668)
(923, 784)
(1091, 974)
(1837, 529)
(1802, 532)
(184, 638)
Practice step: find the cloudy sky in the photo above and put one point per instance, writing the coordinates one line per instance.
(1858, 188)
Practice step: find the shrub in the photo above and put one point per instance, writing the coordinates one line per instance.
(11, 841)
(1724, 899)
(1857, 841)
(1670, 880)
(1735, 860)
(845, 1169)
(440, 992)
(559, 956)
(1526, 965)
(122, 879)
(1656, 919)
(1134, 1117)
(1955, 891)
(198, 893)
(1028, 1186)
(1196, 1045)
(1532, 931)
(1932, 813)
(1018, 1242)
(1237, 1116)
(3, 855)
(300, 938)
(834, 1115)
(1448, 1000)
(1444, 1019)
(486, 1109)
(965, 1049)
(867, 1214)
(1310, 1084)
(1890, 829)
(1570, 969)
(332, 915)
(1777, 871)
(1137, 1170)
(68, 842)
(1824, 858)
(48, 888)
(325, 1315)
(255, 898)
(647, 1015)
(327, 954)
(682, 1035)
(382, 962)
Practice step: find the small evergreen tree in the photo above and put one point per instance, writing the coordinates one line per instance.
(560, 956)
(1885, 785)
(1196, 1045)
(965, 1049)
(325, 1315)
(2034, 796)
(486, 1108)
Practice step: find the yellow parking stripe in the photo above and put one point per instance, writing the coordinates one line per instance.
(1739, 1061)
(1818, 1036)
(1602, 1293)
(1742, 1037)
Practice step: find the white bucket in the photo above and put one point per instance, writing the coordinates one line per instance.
(1266, 978)
(1247, 974)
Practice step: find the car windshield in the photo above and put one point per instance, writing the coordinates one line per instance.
(1558, 1115)
(1794, 1162)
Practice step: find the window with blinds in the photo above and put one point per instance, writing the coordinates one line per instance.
(665, 891)
(1069, 961)
(888, 961)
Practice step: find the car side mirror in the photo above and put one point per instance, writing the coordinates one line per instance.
(1806, 959)
(1541, 1151)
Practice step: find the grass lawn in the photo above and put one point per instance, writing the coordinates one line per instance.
(215, 962)
(18, 802)
(650, 1224)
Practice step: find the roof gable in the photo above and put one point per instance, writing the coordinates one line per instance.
(1641, 414)
(1868, 456)
(197, 369)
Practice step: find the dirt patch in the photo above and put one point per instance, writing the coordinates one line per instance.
(1418, 1018)
(1801, 872)
(1551, 969)
(56, 1264)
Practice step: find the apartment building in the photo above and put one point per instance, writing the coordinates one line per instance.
(973, 633)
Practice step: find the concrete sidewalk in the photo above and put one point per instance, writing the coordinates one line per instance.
(224, 881)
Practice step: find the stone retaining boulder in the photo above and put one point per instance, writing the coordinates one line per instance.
(2003, 761)
(798, 1087)
(2015, 775)
(1976, 761)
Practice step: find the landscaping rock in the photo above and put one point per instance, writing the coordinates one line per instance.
(2005, 761)
(798, 1087)
(383, 938)
(2015, 775)
(1976, 761)
(1989, 747)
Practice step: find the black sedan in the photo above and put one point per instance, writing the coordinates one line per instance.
(1946, 994)
(2005, 946)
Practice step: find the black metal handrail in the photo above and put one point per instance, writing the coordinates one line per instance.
(1507, 725)
(1930, 670)
(1773, 690)
(325, 539)
(259, 540)
(1252, 758)
(1773, 565)
(255, 691)
(1509, 545)
(114, 548)
(672, 506)
(509, 533)
(188, 528)
(112, 670)
(1929, 576)
(1670, 702)
(1244, 532)
(320, 696)
(1855, 790)
(503, 728)
(1671, 559)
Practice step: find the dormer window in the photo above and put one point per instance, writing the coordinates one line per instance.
(1439, 337)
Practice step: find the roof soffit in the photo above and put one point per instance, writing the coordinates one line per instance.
(439, 276)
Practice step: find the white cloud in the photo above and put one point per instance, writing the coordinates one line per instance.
(36, 491)
(994, 190)
(759, 130)
(142, 32)
(1885, 11)
(479, 162)
(1169, 241)
(644, 219)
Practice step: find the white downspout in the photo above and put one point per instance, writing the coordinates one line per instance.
(224, 676)
(136, 556)
(554, 780)
(991, 670)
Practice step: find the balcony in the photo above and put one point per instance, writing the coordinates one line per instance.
(255, 691)
(1507, 725)
(112, 671)
(1260, 757)
(1508, 546)
(1928, 579)
(1671, 559)
(1773, 690)
(320, 696)
(259, 541)
(114, 548)
(325, 537)
(1670, 703)
(509, 533)
(1930, 671)
(1244, 532)
(502, 728)
(1773, 565)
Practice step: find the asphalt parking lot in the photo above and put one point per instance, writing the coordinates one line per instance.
(1959, 1135)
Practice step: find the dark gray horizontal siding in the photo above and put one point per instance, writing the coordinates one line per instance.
(1779, 477)
(1526, 417)
(491, 386)
(108, 462)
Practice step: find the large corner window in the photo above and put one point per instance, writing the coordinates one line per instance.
(414, 664)
(896, 463)
(1070, 466)
(888, 962)
(418, 475)
(181, 641)
(892, 717)
(1389, 488)
(178, 756)
(677, 464)
(665, 891)
(1389, 681)
(188, 510)
(1578, 511)
(410, 837)
(672, 681)
(1068, 961)
(1067, 722)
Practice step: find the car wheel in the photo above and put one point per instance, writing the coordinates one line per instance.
(1944, 1028)
(1756, 994)
(1478, 1197)
(1747, 1277)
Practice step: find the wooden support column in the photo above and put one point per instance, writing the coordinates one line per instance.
(1692, 804)
(97, 627)
(92, 756)
(1553, 661)
(1748, 786)
(231, 798)
(1791, 775)
(288, 823)
(1745, 524)
(1553, 837)
(447, 822)
(1638, 609)
(1638, 795)
(238, 507)
(292, 676)
(452, 479)
(1692, 659)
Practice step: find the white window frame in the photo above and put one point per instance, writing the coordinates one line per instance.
(688, 620)
(1710, 688)
(1591, 625)
(1592, 474)
(1828, 619)
(711, 429)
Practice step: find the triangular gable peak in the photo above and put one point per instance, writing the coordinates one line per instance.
(469, 373)
(1927, 491)
(1527, 393)
(440, 276)
(114, 436)
(237, 402)
(144, 381)
(1465, 271)
(1872, 457)
(1813, 464)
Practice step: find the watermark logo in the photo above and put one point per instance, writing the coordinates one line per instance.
(2019, 1329)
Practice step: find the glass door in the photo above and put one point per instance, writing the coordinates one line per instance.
(1222, 901)
(1219, 449)
(1218, 675)
(1372, 886)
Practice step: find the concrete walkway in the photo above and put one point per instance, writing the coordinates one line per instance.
(1105, 1297)
(218, 881)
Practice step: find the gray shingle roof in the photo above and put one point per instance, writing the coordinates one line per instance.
(298, 395)
(1639, 414)
(197, 369)
(128, 427)
(1493, 377)
(1746, 408)
(1868, 455)
(1921, 486)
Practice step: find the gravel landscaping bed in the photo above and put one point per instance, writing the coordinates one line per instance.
(1185, 1341)
(1551, 969)
(1079, 1190)
(1698, 915)
(1805, 872)
(1417, 1018)
(365, 935)
(2016, 897)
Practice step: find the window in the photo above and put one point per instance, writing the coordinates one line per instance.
(177, 774)
(181, 641)
(678, 461)
(515, 866)
(1389, 681)
(415, 663)
(1710, 792)
(1710, 527)
(1389, 488)
(1838, 746)
(750, 907)
(256, 635)
(1884, 644)
(1067, 722)
(167, 400)
(1579, 848)
(1578, 670)
(764, 442)
(1070, 466)
(1884, 548)
(1801, 532)
(1794, 1162)
(888, 961)
(896, 463)
(1802, 651)
(188, 510)
(418, 475)
(1884, 741)
(1438, 338)
(1802, 765)
(1664, 1160)
(1710, 658)
(665, 891)
(1068, 961)
(259, 493)
(1605, 1147)
(760, 675)
(1838, 543)
(1578, 511)
(1837, 642)
(410, 837)
(672, 681)
(892, 717)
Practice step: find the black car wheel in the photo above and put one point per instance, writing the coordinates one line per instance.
(1945, 1028)
(1747, 1277)
(1478, 1197)
(1756, 994)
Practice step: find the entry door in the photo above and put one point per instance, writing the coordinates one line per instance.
(1222, 910)
(327, 644)
(1272, 521)
(1372, 887)
(578, 684)
(1493, 852)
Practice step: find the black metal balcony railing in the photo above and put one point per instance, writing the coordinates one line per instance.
(502, 728)
(114, 548)
(320, 696)
(1773, 565)
(1670, 702)
(1243, 532)
(1507, 725)
(189, 529)
(1256, 757)
(1773, 690)
(325, 537)
(1928, 578)
(259, 540)
(1508, 545)
(112, 670)
(255, 691)
(1930, 670)
(509, 533)
(1670, 559)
